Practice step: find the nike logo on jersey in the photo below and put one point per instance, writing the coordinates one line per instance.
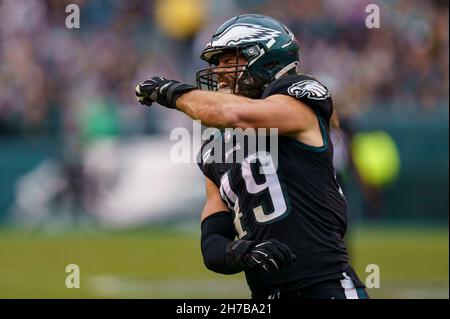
(206, 155)
(237, 147)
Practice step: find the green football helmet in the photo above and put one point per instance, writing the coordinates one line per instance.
(268, 47)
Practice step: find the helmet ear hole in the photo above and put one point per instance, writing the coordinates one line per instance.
(251, 51)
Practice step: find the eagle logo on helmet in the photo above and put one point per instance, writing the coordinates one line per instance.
(244, 32)
(310, 89)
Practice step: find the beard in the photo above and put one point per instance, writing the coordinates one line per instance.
(247, 86)
(250, 87)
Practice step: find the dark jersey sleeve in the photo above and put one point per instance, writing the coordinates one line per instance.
(202, 157)
(206, 155)
(305, 88)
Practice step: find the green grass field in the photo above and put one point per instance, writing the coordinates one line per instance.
(166, 263)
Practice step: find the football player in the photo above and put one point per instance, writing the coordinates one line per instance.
(283, 227)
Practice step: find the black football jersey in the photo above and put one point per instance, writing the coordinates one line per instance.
(294, 197)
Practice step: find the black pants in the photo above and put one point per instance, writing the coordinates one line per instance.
(330, 289)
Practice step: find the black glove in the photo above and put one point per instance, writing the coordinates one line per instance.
(158, 89)
(270, 255)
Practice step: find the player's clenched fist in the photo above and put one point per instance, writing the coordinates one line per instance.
(158, 89)
(270, 255)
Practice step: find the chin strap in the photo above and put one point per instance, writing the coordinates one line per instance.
(236, 83)
(286, 69)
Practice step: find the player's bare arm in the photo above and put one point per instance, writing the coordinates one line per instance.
(214, 202)
(223, 110)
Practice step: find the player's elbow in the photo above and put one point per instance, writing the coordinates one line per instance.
(217, 233)
(214, 256)
(217, 267)
(212, 264)
(213, 260)
(207, 254)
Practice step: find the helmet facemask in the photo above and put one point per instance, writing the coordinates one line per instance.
(242, 81)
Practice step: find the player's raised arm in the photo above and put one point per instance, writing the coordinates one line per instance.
(216, 109)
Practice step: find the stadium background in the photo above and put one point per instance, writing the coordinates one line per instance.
(85, 174)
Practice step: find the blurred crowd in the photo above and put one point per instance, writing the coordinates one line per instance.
(55, 80)
(77, 85)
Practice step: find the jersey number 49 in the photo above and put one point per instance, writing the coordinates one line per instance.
(271, 186)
